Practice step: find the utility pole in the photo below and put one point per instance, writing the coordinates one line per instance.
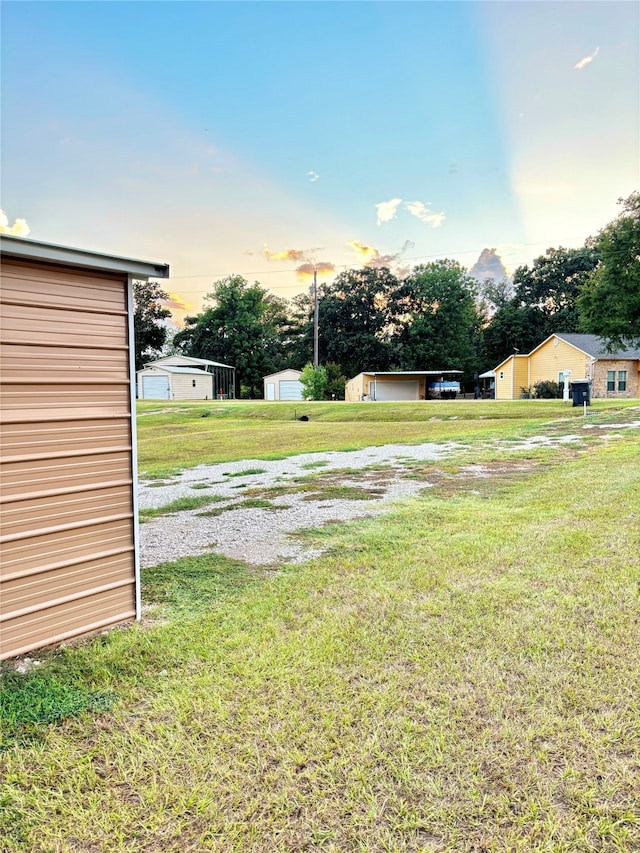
(315, 316)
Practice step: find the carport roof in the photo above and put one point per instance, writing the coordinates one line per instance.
(170, 368)
(409, 372)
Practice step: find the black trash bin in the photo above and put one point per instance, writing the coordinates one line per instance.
(581, 392)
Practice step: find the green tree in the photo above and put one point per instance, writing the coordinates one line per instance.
(544, 301)
(314, 382)
(336, 382)
(513, 328)
(609, 301)
(297, 332)
(241, 327)
(148, 313)
(358, 320)
(551, 286)
(440, 318)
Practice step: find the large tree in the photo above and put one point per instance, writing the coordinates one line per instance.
(241, 327)
(512, 329)
(440, 320)
(552, 284)
(544, 301)
(148, 313)
(609, 301)
(297, 332)
(358, 321)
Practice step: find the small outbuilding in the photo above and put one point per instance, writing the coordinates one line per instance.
(283, 385)
(399, 385)
(68, 459)
(181, 377)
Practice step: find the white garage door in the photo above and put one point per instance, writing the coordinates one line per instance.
(155, 387)
(396, 390)
(290, 389)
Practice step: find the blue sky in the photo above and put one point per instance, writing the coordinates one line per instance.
(253, 138)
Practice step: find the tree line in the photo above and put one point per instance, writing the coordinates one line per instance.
(436, 317)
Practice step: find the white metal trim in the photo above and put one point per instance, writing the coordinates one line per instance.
(34, 250)
(134, 448)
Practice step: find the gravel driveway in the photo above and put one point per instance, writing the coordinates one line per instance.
(261, 536)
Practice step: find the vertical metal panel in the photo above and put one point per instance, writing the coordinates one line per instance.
(68, 446)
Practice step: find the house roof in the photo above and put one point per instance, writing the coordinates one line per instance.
(34, 250)
(513, 355)
(594, 346)
(286, 370)
(590, 345)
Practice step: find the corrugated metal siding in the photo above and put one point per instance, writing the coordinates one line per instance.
(67, 481)
(354, 389)
(182, 386)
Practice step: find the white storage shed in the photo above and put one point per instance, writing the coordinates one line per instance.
(283, 385)
(181, 377)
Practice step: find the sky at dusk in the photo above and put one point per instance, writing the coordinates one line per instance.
(263, 138)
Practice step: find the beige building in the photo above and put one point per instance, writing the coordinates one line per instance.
(181, 377)
(283, 385)
(68, 506)
(398, 385)
(568, 357)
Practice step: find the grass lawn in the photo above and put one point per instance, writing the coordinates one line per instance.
(172, 436)
(460, 674)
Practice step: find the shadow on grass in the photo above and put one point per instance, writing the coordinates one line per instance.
(191, 585)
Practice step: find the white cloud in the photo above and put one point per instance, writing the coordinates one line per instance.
(387, 210)
(18, 229)
(421, 211)
(489, 265)
(313, 176)
(586, 60)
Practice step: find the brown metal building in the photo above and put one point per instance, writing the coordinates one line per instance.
(68, 451)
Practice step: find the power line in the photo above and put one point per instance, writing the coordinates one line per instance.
(289, 270)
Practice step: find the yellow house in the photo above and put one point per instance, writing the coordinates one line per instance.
(567, 357)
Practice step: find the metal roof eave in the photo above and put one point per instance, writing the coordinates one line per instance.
(34, 250)
(410, 372)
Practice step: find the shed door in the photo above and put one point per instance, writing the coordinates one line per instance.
(290, 389)
(155, 387)
(271, 390)
(397, 390)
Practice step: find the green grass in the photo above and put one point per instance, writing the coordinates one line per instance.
(236, 431)
(246, 472)
(249, 503)
(458, 675)
(179, 505)
(29, 704)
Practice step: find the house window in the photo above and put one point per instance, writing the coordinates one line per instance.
(622, 380)
(611, 380)
(501, 374)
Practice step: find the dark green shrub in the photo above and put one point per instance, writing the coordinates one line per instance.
(547, 390)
